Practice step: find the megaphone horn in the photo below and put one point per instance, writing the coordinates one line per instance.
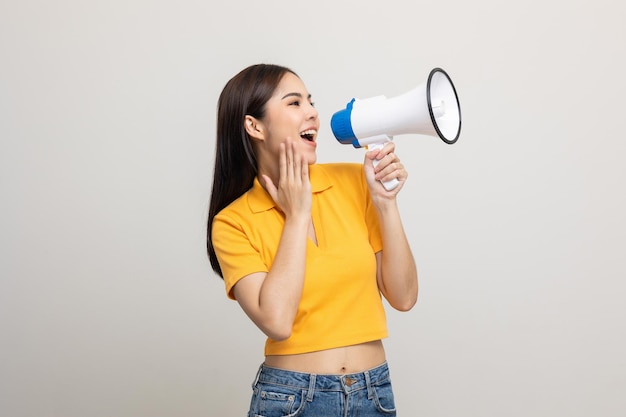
(431, 109)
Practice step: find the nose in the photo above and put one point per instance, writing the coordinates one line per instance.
(312, 112)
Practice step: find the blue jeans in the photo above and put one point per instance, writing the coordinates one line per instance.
(281, 393)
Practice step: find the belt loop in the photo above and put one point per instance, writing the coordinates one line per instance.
(370, 388)
(309, 395)
(258, 374)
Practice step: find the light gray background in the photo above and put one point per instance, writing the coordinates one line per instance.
(108, 306)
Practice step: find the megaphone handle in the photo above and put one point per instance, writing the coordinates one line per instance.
(391, 184)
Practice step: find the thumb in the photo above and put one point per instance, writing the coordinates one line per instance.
(368, 163)
(372, 154)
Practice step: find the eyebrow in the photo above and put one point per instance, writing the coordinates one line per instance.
(294, 94)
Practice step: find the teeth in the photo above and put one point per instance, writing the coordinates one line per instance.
(308, 132)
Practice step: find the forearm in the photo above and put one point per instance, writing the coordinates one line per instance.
(397, 276)
(281, 290)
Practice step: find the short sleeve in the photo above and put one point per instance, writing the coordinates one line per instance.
(237, 255)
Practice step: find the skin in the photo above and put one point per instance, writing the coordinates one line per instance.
(271, 299)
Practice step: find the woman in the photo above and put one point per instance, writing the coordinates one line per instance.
(307, 250)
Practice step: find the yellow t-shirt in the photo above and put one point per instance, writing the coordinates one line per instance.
(341, 304)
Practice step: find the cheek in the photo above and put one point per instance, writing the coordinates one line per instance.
(309, 153)
(279, 134)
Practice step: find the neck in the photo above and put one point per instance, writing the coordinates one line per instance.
(272, 174)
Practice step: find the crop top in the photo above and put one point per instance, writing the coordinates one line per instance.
(341, 304)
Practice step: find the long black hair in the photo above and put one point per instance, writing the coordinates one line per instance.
(235, 162)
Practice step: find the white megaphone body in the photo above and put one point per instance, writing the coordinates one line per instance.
(431, 109)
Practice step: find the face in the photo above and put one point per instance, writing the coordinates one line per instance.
(289, 114)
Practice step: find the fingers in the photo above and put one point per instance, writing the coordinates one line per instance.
(379, 153)
(289, 159)
(304, 171)
(292, 191)
(292, 162)
(282, 161)
(389, 167)
(386, 165)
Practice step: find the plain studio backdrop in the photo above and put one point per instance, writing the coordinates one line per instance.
(108, 305)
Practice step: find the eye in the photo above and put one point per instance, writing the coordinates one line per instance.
(295, 103)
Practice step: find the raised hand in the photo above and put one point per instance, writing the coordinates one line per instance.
(292, 194)
(388, 167)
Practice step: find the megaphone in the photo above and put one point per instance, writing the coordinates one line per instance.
(431, 109)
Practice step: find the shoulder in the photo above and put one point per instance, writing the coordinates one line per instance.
(343, 173)
(236, 212)
(341, 167)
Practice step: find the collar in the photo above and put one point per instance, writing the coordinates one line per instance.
(259, 200)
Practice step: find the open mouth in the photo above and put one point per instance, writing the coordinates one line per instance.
(308, 135)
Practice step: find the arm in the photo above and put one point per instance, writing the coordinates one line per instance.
(396, 271)
(271, 299)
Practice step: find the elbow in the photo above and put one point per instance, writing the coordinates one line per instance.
(406, 305)
(278, 330)
(279, 335)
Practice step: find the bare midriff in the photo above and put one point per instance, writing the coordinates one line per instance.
(337, 361)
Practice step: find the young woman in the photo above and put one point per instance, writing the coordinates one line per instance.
(307, 250)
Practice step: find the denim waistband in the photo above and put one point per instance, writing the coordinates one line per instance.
(324, 382)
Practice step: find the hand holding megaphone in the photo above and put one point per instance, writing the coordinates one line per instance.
(431, 109)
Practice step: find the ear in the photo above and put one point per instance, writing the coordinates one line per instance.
(254, 127)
